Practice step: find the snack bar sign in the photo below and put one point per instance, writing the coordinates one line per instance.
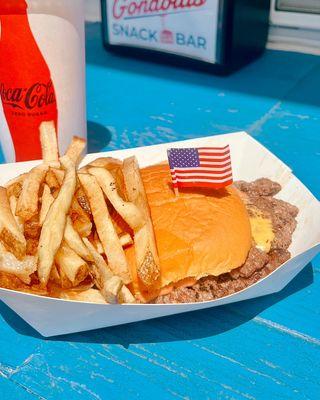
(183, 27)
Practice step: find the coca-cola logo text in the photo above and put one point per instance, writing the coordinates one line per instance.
(131, 8)
(37, 95)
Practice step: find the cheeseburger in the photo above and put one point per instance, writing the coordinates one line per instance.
(212, 243)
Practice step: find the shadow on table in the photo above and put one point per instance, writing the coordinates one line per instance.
(98, 137)
(277, 74)
(188, 326)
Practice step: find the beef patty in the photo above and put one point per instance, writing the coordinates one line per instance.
(259, 264)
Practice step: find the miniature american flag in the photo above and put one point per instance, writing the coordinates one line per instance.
(200, 167)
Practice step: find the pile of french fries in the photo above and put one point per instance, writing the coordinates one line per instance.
(64, 229)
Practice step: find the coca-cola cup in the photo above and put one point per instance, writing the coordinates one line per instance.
(42, 76)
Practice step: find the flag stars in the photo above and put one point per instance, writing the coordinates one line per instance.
(183, 158)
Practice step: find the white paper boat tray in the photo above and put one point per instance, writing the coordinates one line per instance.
(250, 161)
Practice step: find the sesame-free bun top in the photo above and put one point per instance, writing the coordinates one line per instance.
(198, 233)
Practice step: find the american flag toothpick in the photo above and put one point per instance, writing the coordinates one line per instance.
(200, 167)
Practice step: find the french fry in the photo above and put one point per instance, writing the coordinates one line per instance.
(49, 144)
(54, 224)
(82, 200)
(53, 183)
(75, 149)
(111, 288)
(102, 162)
(59, 174)
(64, 281)
(13, 206)
(71, 265)
(79, 214)
(86, 296)
(21, 268)
(14, 186)
(114, 166)
(127, 210)
(105, 228)
(147, 260)
(27, 205)
(55, 276)
(10, 234)
(119, 223)
(125, 296)
(97, 244)
(105, 162)
(109, 284)
(74, 241)
(47, 200)
(125, 240)
(80, 219)
(32, 228)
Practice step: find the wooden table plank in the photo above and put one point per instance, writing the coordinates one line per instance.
(11, 389)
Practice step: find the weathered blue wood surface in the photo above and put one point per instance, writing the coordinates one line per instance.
(267, 348)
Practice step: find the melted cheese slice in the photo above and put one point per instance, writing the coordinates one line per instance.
(262, 230)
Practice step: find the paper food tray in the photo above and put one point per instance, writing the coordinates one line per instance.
(250, 161)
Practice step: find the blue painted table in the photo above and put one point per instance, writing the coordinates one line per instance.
(266, 348)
